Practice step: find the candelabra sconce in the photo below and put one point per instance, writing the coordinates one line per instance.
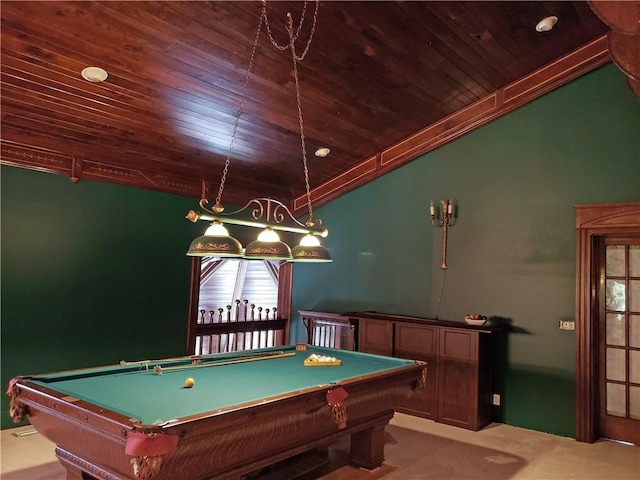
(443, 217)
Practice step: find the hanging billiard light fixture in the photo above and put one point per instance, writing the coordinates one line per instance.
(266, 213)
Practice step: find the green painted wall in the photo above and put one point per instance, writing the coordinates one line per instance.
(92, 273)
(512, 252)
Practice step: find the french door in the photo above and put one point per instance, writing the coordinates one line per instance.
(619, 337)
(607, 398)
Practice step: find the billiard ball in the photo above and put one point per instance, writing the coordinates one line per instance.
(189, 382)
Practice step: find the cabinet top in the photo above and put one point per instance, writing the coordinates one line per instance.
(322, 315)
(487, 327)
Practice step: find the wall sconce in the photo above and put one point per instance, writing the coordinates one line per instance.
(443, 217)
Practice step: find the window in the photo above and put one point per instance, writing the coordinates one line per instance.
(238, 305)
(224, 281)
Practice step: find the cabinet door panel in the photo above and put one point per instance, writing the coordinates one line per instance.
(457, 392)
(423, 402)
(418, 342)
(376, 337)
(458, 344)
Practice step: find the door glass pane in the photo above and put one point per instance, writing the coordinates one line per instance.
(615, 261)
(615, 295)
(615, 364)
(634, 295)
(616, 402)
(634, 331)
(634, 260)
(615, 329)
(634, 402)
(634, 366)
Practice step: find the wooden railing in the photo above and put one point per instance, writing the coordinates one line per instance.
(244, 327)
(330, 330)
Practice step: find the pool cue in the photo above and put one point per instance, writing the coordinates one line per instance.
(203, 358)
(161, 370)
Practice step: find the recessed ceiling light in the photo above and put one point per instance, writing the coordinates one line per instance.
(322, 152)
(546, 24)
(94, 74)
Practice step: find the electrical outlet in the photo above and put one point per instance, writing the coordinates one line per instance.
(496, 399)
(566, 324)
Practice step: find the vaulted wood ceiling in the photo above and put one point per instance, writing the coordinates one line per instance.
(382, 82)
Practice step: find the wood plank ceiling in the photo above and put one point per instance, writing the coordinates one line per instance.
(375, 75)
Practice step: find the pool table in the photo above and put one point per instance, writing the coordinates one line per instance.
(246, 410)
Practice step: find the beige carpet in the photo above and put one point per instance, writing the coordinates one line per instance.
(446, 458)
(49, 471)
(330, 463)
(438, 458)
(352, 473)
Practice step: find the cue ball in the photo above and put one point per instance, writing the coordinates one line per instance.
(189, 382)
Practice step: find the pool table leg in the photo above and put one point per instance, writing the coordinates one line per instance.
(74, 473)
(367, 446)
(70, 462)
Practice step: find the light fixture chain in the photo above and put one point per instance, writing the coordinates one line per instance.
(216, 240)
(313, 29)
(268, 26)
(292, 37)
(239, 113)
(310, 222)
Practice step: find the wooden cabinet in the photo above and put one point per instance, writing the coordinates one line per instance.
(460, 363)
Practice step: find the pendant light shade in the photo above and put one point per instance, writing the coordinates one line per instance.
(268, 247)
(215, 242)
(310, 251)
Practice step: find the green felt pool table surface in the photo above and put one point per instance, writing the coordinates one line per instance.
(134, 390)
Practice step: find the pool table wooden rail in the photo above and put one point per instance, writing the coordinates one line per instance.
(224, 443)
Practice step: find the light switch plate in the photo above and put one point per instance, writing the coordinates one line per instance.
(566, 324)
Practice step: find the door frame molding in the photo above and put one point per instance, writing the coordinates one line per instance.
(593, 221)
